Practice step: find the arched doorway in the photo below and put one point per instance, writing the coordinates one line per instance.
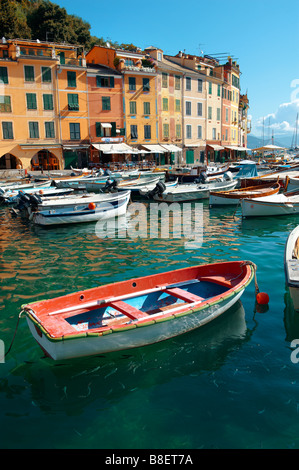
(10, 162)
(44, 160)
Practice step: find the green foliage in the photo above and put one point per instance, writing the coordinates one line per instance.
(46, 21)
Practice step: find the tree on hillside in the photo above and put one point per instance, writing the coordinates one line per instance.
(13, 20)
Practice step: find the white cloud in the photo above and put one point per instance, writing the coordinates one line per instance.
(281, 122)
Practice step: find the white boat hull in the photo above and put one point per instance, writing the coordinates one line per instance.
(291, 267)
(73, 215)
(261, 208)
(193, 192)
(150, 333)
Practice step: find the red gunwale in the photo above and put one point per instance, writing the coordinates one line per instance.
(232, 274)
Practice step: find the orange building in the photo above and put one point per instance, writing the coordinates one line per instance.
(33, 125)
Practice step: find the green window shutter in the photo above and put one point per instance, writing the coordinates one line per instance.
(7, 130)
(134, 132)
(74, 131)
(31, 101)
(132, 83)
(46, 75)
(165, 104)
(178, 131)
(50, 132)
(146, 108)
(165, 130)
(111, 82)
(132, 107)
(62, 58)
(29, 73)
(5, 104)
(33, 130)
(3, 75)
(178, 105)
(71, 79)
(219, 90)
(106, 105)
(48, 102)
(147, 132)
(99, 130)
(210, 88)
(113, 129)
(73, 103)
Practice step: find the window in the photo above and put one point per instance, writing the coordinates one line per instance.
(177, 82)
(199, 85)
(218, 114)
(29, 73)
(7, 130)
(46, 75)
(188, 108)
(73, 103)
(166, 130)
(48, 102)
(134, 133)
(218, 90)
(33, 130)
(164, 80)
(226, 134)
(74, 131)
(199, 132)
(199, 109)
(71, 79)
(178, 131)
(146, 84)
(188, 131)
(188, 83)
(132, 83)
(132, 107)
(210, 88)
(214, 133)
(147, 132)
(165, 104)
(105, 82)
(3, 75)
(5, 104)
(178, 105)
(209, 112)
(146, 108)
(160, 56)
(99, 132)
(31, 101)
(226, 114)
(106, 105)
(49, 130)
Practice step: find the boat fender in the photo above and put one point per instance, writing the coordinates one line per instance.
(92, 206)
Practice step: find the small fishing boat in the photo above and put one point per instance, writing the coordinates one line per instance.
(150, 189)
(223, 198)
(136, 312)
(291, 265)
(192, 191)
(114, 206)
(276, 204)
(10, 197)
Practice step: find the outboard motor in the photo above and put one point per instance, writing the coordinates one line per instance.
(158, 189)
(228, 176)
(110, 186)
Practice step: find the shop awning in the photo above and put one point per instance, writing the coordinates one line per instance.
(171, 148)
(39, 146)
(154, 148)
(215, 147)
(75, 147)
(115, 148)
(235, 147)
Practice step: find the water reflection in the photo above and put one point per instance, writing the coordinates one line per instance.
(70, 386)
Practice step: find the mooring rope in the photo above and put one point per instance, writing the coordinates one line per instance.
(19, 316)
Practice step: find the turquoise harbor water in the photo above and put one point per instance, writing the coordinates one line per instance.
(230, 384)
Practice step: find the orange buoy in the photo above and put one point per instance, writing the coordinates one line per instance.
(91, 206)
(41, 191)
(262, 298)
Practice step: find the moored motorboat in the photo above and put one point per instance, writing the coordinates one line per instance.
(113, 206)
(192, 191)
(276, 204)
(136, 312)
(232, 197)
(291, 265)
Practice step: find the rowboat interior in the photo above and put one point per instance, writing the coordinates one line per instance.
(98, 309)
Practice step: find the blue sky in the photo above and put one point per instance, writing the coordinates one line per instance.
(262, 35)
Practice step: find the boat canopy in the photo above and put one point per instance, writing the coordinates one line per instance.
(247, 169)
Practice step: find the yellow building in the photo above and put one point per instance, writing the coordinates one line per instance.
(33, 88)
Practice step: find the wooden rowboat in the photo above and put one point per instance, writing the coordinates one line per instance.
(136, 312)
(291, 265)
(233, 196)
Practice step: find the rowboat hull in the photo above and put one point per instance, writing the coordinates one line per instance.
(262, 207)
(291, 266)
(192, 192)
(74, 215)
(234, 196)
(80, 333)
